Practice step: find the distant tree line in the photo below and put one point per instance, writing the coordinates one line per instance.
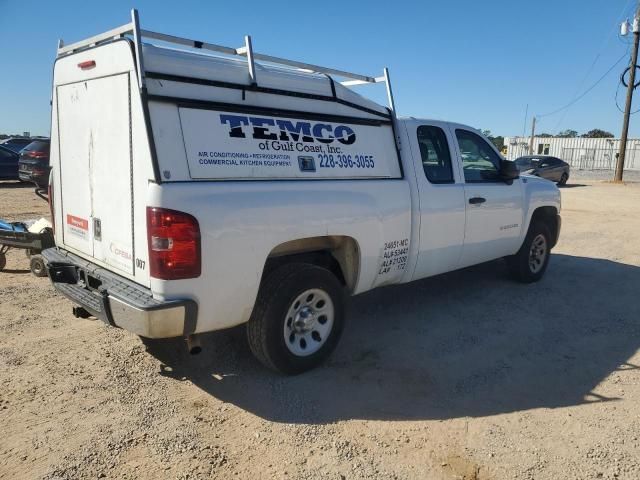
(4, 136)
(498, 140)
(595, 133)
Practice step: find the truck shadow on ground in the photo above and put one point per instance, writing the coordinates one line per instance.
(572, 185)
(469, 343)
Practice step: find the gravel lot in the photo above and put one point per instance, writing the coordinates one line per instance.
(464, 376)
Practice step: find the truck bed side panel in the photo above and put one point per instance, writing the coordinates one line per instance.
(242, 222)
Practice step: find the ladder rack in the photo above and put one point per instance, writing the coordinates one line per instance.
(133, 29)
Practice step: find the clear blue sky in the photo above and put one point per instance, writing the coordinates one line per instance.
(470, 61)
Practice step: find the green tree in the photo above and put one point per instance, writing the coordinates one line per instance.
(567, 134)
(498, 141)
(544, 135)
(597, 133)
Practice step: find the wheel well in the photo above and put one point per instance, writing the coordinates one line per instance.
(549, 216)
(338, 254)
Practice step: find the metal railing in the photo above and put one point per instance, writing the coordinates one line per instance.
(133, 29)
(599, 158)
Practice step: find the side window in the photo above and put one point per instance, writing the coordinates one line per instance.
(479, 161)
(436, 157)
(543, 149)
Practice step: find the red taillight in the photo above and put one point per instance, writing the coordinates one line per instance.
(174, 244)
(36, 154)
(51, 210)
(86, 65)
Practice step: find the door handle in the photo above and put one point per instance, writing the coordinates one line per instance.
(97, 229)
(477, 200)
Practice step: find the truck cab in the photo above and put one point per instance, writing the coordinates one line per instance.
(468, 212)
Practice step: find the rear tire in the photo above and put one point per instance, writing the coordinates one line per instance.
(37, 266)
(297, 319)
(531, 261)
(3, 261)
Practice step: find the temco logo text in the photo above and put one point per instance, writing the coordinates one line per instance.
(264, 128)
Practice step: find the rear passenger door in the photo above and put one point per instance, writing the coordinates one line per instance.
(494, 208)
(441, 195)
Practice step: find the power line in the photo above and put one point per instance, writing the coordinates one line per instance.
(605, 41)
(629, 7)
(583, 94)
(618, 104)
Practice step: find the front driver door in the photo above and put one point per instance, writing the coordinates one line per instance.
(494, 208)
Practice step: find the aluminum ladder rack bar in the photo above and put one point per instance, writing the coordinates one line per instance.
(114, 33)
(133, 29)
(188, 42)
(244, 51)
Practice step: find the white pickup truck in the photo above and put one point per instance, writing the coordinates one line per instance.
(198, 189)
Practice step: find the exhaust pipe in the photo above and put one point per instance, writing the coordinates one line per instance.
(193, 344)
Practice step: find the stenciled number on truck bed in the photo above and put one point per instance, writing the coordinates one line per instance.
(395, 255)
(346, 161)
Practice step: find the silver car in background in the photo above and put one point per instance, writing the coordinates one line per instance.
(544, 166)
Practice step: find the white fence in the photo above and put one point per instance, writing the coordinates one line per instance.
(580, 153)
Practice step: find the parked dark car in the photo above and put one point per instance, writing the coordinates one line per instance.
(34, 163)
(544, 166)
(16, 144)
(8, 164)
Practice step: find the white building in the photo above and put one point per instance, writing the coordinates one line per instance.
(579, 152)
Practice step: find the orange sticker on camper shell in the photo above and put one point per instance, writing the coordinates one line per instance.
(78, 222)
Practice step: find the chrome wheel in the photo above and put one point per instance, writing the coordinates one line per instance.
(538, 253)
(308, 322)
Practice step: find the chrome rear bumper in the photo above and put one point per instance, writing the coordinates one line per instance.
(116, 300)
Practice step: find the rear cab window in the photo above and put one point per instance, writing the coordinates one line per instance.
(435, 154)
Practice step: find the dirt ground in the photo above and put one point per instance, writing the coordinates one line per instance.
(463, 376)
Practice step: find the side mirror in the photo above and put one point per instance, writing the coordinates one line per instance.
(509, 171)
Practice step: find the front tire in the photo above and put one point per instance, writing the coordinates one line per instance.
(297, 319)
(531, 261)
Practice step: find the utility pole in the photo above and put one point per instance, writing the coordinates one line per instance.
(533, 134)
(630, 88)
